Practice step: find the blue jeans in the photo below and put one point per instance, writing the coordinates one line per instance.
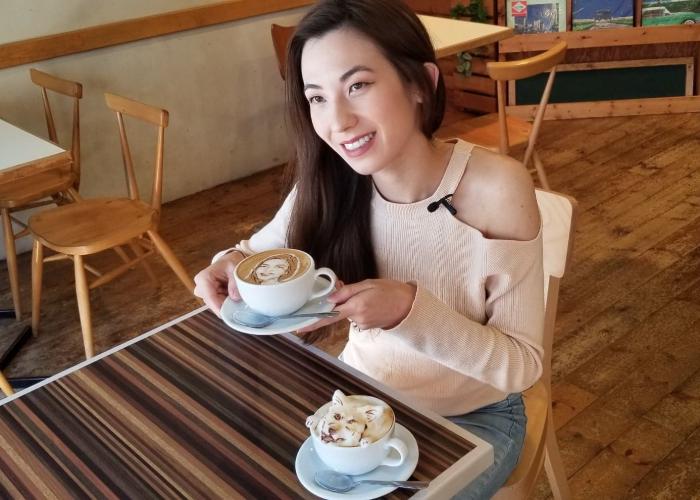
(502, 425)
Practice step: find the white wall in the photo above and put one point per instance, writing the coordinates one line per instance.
(220, 84)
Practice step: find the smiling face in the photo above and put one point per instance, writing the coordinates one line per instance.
(358, 104)
(272, 270)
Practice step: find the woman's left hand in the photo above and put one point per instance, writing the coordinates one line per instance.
(377, 303)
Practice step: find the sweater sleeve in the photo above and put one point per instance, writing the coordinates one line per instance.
(272, 235)
(505, 351)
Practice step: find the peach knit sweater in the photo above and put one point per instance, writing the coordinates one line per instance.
(474, 332)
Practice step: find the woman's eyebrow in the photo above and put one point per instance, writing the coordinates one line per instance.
(343, 77)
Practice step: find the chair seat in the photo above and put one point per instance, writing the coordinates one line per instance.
(22, 191)
(90, 226)
(484, 131)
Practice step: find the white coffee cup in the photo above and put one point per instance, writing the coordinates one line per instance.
(355, 460)
(282, 297)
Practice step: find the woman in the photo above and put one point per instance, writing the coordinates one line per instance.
(439, 242)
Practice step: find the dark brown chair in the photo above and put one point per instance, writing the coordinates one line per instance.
(280, 40)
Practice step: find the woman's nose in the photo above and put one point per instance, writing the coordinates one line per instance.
(343, 117)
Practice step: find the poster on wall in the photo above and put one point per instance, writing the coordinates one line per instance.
(536, 16)
(672, 12)
(602, 14)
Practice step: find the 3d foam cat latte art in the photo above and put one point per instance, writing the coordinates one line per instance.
(351, 421)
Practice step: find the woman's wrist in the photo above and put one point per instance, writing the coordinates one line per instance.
(231, 254)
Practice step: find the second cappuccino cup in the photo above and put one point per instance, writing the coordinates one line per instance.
(280, 281)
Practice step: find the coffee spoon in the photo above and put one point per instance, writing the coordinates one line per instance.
(251, 319)
(341, 483)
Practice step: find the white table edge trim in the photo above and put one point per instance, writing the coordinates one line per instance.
(98, 357)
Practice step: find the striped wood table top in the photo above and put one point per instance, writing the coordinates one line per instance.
(195, 411)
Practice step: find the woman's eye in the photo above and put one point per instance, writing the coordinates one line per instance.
(315, 99)
(357, 86)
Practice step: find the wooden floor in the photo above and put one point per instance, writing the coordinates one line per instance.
(627, 347)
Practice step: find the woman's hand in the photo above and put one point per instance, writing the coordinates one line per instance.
(378, 303)
(216, 282)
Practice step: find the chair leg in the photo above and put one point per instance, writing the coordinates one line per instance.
(11, 256)
(5, 385)
(553, 464)
(172, 260)
(540, 171)
(122, 254)
(37, 274)
(138, 251)
(83, 294)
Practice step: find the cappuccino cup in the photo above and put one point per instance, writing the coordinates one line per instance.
(280, 281)
(366, 455)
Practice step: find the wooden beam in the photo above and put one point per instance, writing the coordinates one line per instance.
(105, 35)
(618, 107)
(642, 35)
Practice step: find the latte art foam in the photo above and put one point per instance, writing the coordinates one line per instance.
(351, 421)
(273, 267)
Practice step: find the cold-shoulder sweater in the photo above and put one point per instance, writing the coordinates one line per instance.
(474, 331)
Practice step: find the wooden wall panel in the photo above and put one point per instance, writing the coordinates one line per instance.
(105, 35)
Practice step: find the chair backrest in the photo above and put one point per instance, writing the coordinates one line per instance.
(280, 40)
(69, 89)
(144, 112)
(558, 214)
(503, 71)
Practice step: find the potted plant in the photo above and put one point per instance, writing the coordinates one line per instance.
(476, 12)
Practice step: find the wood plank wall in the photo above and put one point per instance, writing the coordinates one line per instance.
(105, 35)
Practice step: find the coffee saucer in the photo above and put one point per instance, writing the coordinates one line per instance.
(308, 462)
(230, 307)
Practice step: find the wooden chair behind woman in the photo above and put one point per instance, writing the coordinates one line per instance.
(501, 131)
(91, 226)
(558, 222)
(58, 185)
(280, 39)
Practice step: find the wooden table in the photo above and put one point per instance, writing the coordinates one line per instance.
(21, 155)
(196, 409)
(450, 36)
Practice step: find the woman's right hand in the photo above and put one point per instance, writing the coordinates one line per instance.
(216, 282)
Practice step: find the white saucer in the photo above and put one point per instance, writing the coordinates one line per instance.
(281, 325)
(308, 462)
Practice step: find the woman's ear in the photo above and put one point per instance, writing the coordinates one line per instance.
(433, 72)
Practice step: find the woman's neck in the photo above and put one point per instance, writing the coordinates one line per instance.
(418, 176)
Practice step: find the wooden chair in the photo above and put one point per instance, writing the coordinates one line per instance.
(558, 219)
(5, 386)
(57, 185)
(500, 131)
(91, 226)
(280, 40)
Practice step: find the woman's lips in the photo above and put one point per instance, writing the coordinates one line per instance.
(358, 146)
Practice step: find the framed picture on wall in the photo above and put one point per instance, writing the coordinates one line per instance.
(670, 12)
(602, 14)
(536, 16)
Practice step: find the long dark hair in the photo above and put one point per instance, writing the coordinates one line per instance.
(331, 215)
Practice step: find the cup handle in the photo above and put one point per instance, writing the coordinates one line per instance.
(324, 271)
(399, 446)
